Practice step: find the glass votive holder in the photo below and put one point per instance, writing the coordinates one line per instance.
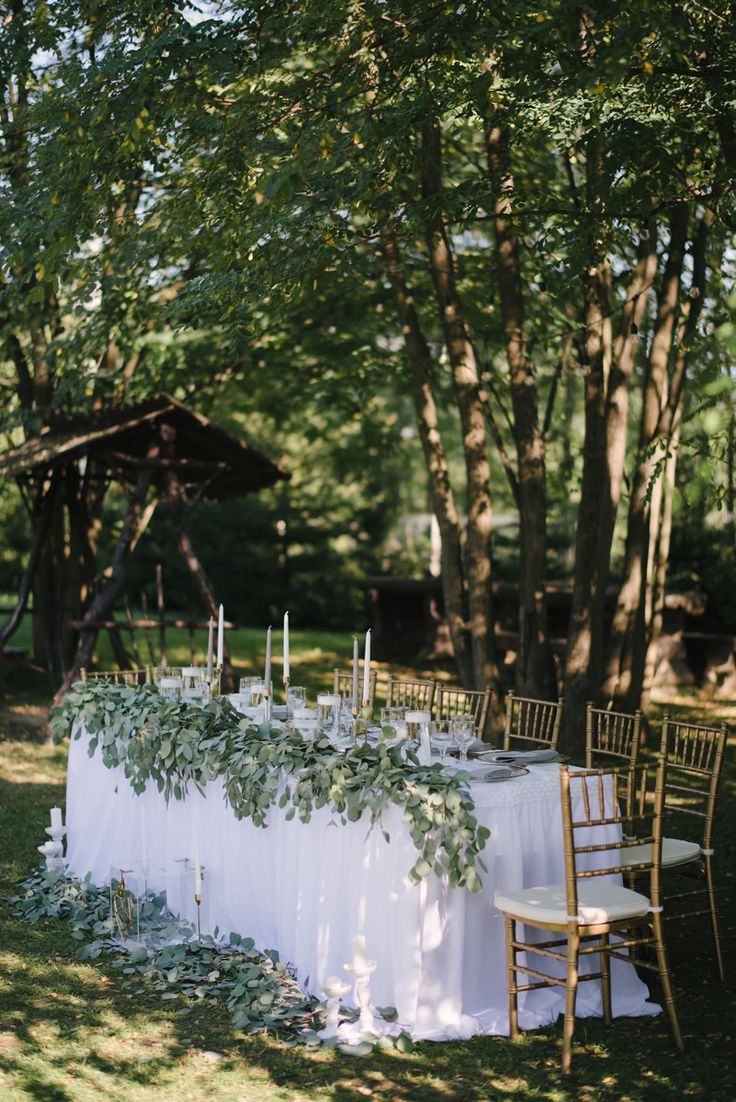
(415, 721)
(169, 687)
(329, 707)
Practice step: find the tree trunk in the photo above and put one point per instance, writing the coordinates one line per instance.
(443, 500)
(606, 409)
(659, 569)
(44, 510)
(628, 628)
(535, 672)
(472, 420)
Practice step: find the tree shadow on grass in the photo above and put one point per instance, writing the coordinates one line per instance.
(79, 1033)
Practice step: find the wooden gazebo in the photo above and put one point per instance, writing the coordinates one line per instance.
(156, 450)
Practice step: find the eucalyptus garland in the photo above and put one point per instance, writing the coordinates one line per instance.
(260, 991)
(174, 744)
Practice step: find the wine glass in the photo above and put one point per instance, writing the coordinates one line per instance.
(463, 731)
(441, 736)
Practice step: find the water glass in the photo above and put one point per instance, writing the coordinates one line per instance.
(441, 737)
(194, 687)
(247, 684)
(462, 728)
(296, 697)
(169, 687)
(329, 706)
(415, 721)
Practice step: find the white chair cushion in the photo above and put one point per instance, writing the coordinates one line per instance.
(675, 851)
(598, 902)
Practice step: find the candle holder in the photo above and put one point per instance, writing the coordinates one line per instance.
(362, 972)
(267, 704)
(333, 988)
(53, 850)
(198, 901)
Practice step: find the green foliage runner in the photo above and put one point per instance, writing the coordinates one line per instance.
(176, 744)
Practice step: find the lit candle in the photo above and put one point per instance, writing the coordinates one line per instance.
(360, 961)
(286, 646)
(355, 672)
(267, 670)
(220, 635)
(144, 838)
(56, 818)
(197, 866)
(209, 646)
(367, 668)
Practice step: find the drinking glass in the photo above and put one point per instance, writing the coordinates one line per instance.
(329, 706)
(415, 721)
(169, 687)
(463, 731)
(441, 736)
(256, 692)
(246, 688)
(296, 697)
(194, 687)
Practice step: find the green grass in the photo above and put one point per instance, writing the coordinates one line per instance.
(68, 1031)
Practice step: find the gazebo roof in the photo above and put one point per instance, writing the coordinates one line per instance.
(208, 462)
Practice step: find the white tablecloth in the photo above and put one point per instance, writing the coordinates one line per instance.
(308, 889)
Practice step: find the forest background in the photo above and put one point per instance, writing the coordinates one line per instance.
(464, 261)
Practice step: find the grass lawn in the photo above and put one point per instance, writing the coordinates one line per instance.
(68, 1031)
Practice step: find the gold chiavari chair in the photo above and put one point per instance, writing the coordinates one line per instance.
(694, 756)
(452, 702)
(343, 684)
(133, 678)
(416, 694)
(532, 721)
(610, 735)
(584, 911)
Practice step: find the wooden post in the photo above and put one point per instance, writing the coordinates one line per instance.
(41, 527)
(160, 604)
(108, 591)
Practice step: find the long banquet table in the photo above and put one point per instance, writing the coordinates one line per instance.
(306, 889)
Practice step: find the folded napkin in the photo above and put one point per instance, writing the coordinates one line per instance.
(526, 756)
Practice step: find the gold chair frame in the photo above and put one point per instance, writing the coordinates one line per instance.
(594, 938)
(530, 720)
(610, 734)
(342, 683)
(694, 756)
(133, 678)
(452, 701)
(410, 693)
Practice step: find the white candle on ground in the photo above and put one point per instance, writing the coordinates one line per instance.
(360, 961)
(367, 668)
(197, 866)
(56, 818)
(355, 671)
(209, 646)
(220, 635)
(286, 646)
(267, 670)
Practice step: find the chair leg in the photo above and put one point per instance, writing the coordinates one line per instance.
(571, 988)
(511, 978)
(664, 976)
(606, 978)
(714, 918)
